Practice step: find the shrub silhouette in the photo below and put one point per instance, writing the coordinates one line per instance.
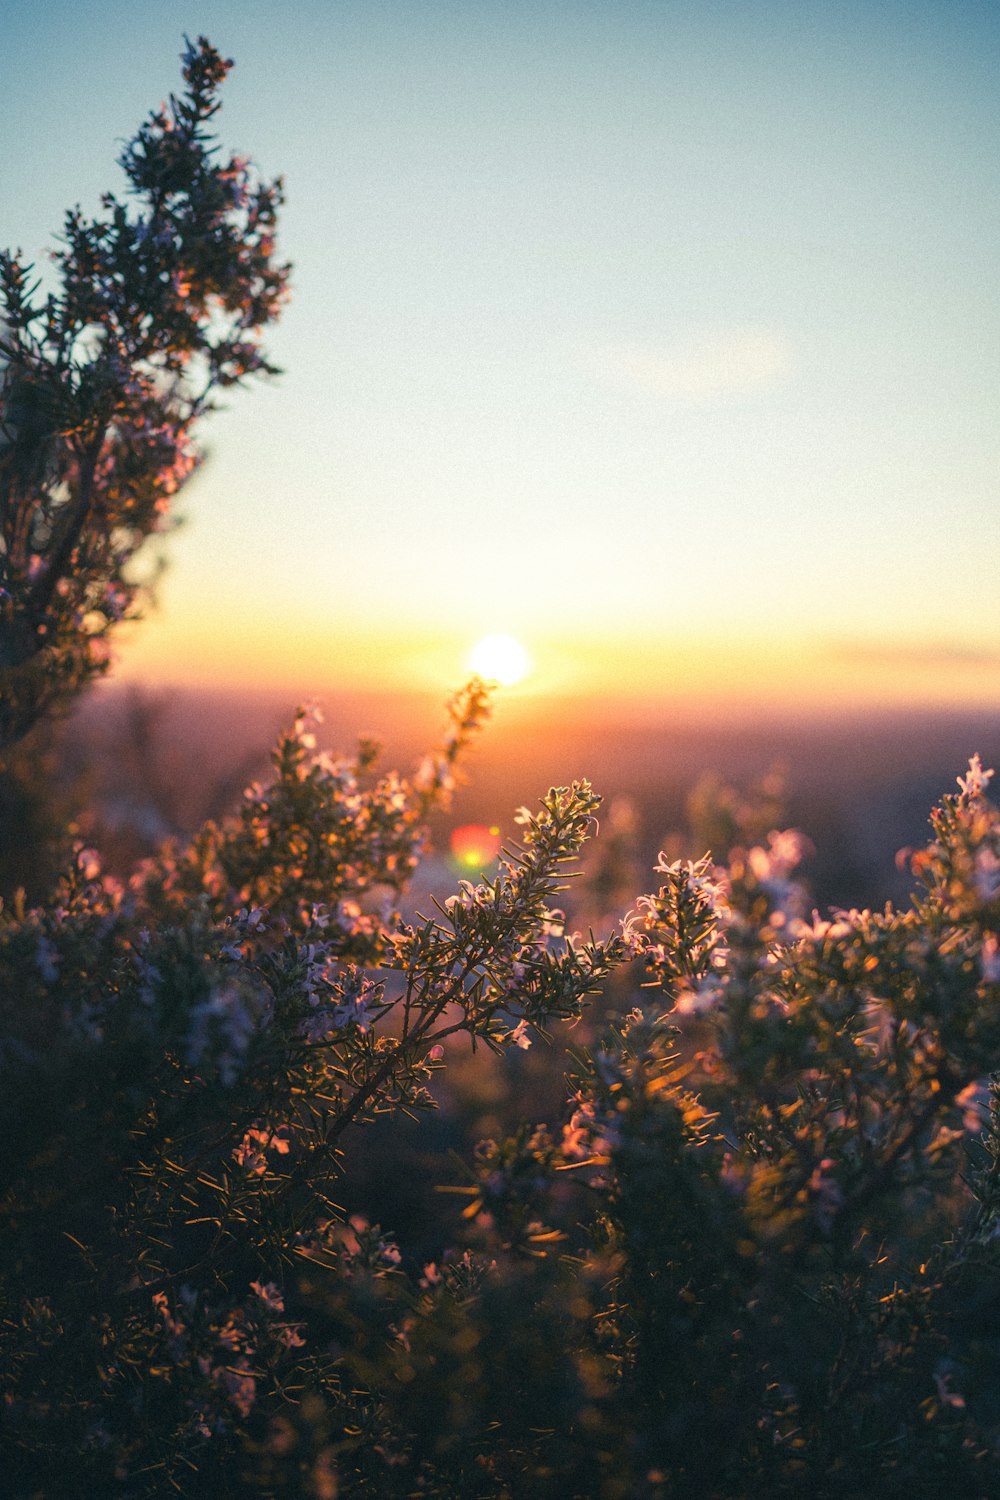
(759, 1252)
(160, 303)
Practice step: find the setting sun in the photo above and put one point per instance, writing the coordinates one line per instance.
(500, 658)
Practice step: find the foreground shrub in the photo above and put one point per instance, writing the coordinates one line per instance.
(758, 1254)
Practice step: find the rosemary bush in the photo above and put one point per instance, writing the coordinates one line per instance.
(758, 1252)
(158, 304)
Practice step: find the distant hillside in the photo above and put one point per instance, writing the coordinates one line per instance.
(860, 786)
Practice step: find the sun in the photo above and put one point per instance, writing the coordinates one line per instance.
(499, 658)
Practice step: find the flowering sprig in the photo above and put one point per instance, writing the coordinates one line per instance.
(848, 1041)
(681, 930)
(499, 954)
(325, 845)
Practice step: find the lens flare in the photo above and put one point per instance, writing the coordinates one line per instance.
(499, 658)
(474, 847)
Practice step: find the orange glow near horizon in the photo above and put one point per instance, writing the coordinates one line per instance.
(653, 379)
(638, 675)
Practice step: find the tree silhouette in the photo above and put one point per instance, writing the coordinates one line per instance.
(160, 302)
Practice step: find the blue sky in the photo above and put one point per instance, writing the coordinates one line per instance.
(655, 333)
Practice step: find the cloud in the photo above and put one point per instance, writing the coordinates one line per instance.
(920, 656)
(700, 367)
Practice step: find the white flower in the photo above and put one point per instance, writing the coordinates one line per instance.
(469, 897)
(701, 998)
(357, 999)
(577, 1134)
(269, 1295)
(701, 877)
(245, 922)
(519, 1036)
(820, 928)
(588, 1134)
(632, 935)
(433, 772)
(974, 783)
(250, 1153)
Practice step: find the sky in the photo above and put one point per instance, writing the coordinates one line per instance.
(662, 336)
